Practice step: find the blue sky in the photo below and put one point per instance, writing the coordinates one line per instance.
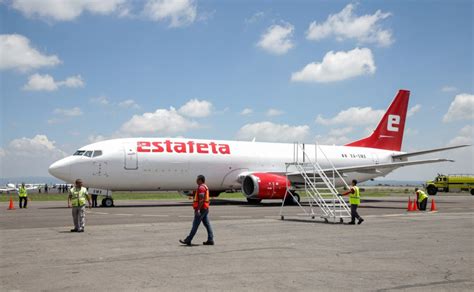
(127, 58)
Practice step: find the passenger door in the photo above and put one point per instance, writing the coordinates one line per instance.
(131, 157)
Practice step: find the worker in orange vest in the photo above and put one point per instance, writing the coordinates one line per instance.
(201, 212)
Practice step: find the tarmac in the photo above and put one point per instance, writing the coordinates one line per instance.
(134, 247)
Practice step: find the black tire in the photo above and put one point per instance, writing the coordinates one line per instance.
(472, 192)
(254, 201)
(292, 200)
(108, 202)
(432, 190)
(103, 203)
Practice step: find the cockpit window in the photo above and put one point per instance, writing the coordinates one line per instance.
(97, 153)
(88, 154)
(79, 152)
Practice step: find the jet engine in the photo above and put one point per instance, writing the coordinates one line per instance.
(258, 186)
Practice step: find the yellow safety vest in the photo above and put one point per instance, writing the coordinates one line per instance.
(421, 196)
(354, 198)
(22, 192)
(78, 196)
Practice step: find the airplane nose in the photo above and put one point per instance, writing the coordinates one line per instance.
(60, 169)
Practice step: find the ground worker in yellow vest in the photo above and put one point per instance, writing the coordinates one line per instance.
(23, 196)
(354, 200)
(201, 212)
(77, 199)
(421, 199)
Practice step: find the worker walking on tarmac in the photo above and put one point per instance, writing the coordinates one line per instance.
(421, 199)
(77, 196)
(201, 213)
(23, 196)
(354, 200)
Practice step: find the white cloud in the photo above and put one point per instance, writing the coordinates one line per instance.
(72, 112)
(195, 108)
(29, 156)
(353, 116)
(102, 100)
(178, 12)
(96, 138)
(255, 17)
(338, 66)
(37, 82)
(129, 103)
(17, 54)
(268, 131)
(246, 111)
(2, 152)
(462, 108)
(277, 39)
(449, 89)
(273, 112)
(413, 110)
(465, 136)
(73, 81)
(161, 121)
(338, 132)
(346, 25)
(337, 136)
(60, 10)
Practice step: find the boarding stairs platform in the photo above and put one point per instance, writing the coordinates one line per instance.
(319, 186)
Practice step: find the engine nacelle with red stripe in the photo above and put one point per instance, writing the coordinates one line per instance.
(265, 186)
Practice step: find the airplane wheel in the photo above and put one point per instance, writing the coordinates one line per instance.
(103, 203)
(254, 201)
(432, 190)
(292, 200)
(108, 202)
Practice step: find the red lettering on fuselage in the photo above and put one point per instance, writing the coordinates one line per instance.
(181, 147)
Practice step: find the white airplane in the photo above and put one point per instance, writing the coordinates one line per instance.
(172, 164)
(9, 187)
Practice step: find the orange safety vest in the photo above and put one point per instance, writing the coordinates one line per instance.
(206, 199)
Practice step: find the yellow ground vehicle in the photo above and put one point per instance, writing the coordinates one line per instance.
(451, 183)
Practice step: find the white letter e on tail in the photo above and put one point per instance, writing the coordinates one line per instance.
(393, 121)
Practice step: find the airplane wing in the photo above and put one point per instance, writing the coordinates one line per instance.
(375, 168)
(406, 155)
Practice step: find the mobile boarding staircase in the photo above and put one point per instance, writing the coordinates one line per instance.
(319, 186)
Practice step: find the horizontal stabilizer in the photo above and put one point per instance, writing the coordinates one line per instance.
(406, 155)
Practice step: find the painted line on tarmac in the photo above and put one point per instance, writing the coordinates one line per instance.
(124, 214)
(156, 215)
(185, 216)
(236, 217)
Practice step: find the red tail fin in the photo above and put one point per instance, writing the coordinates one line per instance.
(389, 133)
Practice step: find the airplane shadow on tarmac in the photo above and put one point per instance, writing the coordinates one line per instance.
(227, 202)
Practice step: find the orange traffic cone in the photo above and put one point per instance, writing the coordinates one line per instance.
(433, 206)
(11, 206)
(409, 208)
(414, 207)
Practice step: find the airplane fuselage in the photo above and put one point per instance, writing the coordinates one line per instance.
(170, 164)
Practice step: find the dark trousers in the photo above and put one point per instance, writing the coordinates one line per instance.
(354, 213)
(422, 204)
(25, 202)
(94, 200)
(203, 216)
